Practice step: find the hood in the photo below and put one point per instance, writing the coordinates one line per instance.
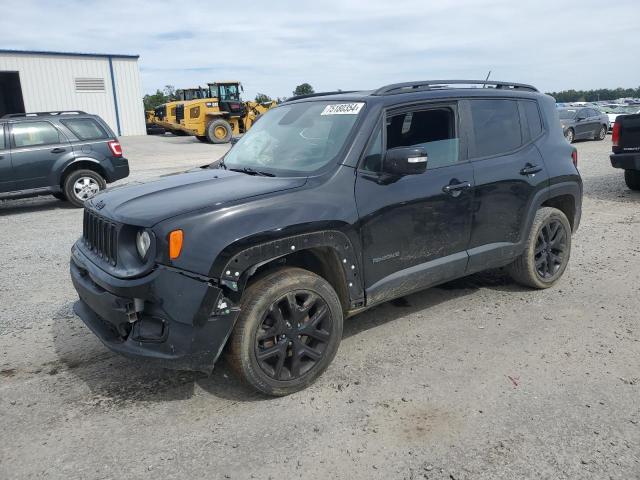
(145, 204)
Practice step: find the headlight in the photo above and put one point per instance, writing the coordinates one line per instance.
(143, 242)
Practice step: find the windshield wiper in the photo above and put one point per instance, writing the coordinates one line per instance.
(251, 171)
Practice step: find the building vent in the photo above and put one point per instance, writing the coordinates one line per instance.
(89, 84)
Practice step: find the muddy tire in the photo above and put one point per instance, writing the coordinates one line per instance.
(219, 131)
(288, 331)
(547, 250)
(81, 185)
(632, 179)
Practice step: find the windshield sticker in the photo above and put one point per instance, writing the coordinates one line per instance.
(343, 109)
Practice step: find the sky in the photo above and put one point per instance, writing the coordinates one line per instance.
(272, 46)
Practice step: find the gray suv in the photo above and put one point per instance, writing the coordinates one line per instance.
(70, 155)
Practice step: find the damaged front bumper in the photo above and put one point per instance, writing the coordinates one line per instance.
(171, 317)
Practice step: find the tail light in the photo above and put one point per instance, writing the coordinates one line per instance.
(574, 158)
(116, 148)
(615, 136)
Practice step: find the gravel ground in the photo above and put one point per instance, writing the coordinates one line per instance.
(475, 379)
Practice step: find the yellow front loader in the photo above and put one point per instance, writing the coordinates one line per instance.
(222, 115)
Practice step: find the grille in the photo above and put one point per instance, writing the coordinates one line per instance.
(179, 113)
(101, 236)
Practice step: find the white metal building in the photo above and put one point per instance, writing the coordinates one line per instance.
(102, 84)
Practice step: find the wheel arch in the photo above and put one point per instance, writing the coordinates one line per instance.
(327, 253)
(83, 163)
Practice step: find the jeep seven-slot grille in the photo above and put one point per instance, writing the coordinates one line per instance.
(101, 236)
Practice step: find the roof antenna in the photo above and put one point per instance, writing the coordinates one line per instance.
(486, 79)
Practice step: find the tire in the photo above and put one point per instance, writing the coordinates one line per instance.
(202, 139)
(219, 131)
(74, 190)
(570, 135)
(60, 196)
(279, 364)
(602, 134)
(543, 261)
(632, 179)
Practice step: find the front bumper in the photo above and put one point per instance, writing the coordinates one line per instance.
(167, 316)
(626, 161)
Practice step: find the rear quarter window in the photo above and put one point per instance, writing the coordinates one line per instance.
(496, 127)
(85, 128)
(532, 117)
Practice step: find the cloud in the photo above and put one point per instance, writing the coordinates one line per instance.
(274, 46)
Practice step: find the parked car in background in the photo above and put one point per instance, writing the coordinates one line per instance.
(70, 155)
(612, 112)
(329, 205)
(626, 148)
(583, 123)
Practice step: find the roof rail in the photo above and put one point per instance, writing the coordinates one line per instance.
(408, 87)
(44, 114)
(319, 94)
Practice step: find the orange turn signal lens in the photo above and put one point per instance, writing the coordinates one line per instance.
(175, 243)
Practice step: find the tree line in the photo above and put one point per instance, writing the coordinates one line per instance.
(595, 95)
(169, 94)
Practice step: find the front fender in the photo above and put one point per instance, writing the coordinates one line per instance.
(233, 269)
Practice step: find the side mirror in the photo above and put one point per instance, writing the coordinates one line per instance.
(405, 161)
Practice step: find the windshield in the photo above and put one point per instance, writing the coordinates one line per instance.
(567, 114)
(229, 92)
(295, 138)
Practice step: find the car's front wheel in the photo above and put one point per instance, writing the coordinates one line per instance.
(81, 185)
(288, 332)
(570, 135)
(602, 134)
(547, 250)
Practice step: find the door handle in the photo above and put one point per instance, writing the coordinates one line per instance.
(530, 169)
(455, 189)
(58, 150)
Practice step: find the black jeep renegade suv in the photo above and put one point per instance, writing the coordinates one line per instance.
(331, 204)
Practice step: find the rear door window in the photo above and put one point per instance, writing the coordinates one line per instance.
(85, 128)
(496, 127)
(32, 134)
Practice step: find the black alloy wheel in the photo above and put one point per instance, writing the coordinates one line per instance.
(550, 249)
(293, 335)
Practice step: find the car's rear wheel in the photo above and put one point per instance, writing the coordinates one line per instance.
(219, 131)
(81, 185)
(632, 179)
(602, 134)
(288, 332)
(570, 135)
(547, 250)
